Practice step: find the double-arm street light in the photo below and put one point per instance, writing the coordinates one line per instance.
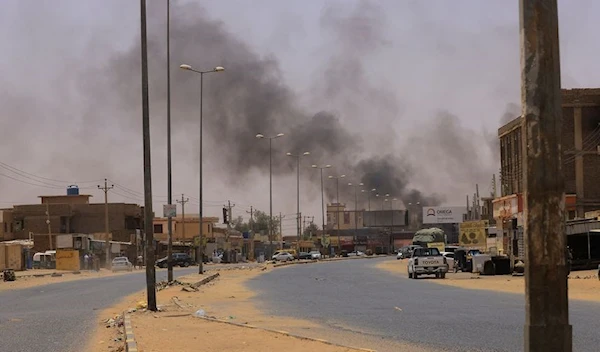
(383, 200)
(297, 156)
(368, 196)
(200, 226)
(355, 207)
(322, 198)
(337, 211)
(261, 136)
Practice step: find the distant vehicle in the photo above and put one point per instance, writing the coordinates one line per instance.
(356, 254)
(432, 235)
(179, 259)
(289, 250)
(427, 261)
(315, 255)
(305, 255)
(283, 257)
(405, 252)
(449, 259)
(121, 264)
(451, 249)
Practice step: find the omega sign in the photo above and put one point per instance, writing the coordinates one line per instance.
(443, 215)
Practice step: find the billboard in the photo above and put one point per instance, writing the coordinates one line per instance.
(384, 218)
(472, 234)
(443, 215)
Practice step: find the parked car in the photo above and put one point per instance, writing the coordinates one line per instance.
(283, 257)
(403, 253)
(121, 264)
(289, 250)
(427, 261)
(315, 255)
(356, 254)
(179, 259)
(449, 259)
(305, 255)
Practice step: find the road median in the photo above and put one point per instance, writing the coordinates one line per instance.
(212, 312)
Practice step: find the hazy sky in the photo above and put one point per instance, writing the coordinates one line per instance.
(427, 81)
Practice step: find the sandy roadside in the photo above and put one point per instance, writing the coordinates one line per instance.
(583, 285)
(31, 281)
(226, 298)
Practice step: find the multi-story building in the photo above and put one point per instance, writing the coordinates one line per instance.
(581, 156)
(6, 225)
(74, 214)
(184, 229)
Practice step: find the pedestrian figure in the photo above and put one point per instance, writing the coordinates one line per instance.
(140, 261)
(86, 262)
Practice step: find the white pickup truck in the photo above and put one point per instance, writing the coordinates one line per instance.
(427, 261)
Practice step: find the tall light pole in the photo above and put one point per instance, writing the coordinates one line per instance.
(368, 196)
(355, 208)
(261, 136)
(392, 227)
(297, 156)
(337, 212)
(322, 199)
(200, 225)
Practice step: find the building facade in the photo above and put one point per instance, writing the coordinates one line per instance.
(184, 230)
(73, 214)
(581, 152)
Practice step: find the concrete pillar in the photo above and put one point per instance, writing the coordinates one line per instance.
(578, 135)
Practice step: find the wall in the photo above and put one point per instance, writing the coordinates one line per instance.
(65, 199)
(191, 228)
(6, 225)
(67, 259)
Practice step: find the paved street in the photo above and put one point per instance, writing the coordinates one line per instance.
(354, 296)
(58, 317)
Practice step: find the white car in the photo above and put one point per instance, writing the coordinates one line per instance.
(427, 261)
(121, 263)
(356, 254)
(315, 255)
(449, 259)
(283, 257)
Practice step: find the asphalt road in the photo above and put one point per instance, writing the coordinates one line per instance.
(354, 296)
(59, 317)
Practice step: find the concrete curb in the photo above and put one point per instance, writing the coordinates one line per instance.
(205, 280)
(130, 344)
(277, 265)
(286, 333)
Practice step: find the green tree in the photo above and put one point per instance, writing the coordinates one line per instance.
(310, 231)
(259, 224)
(239, 224)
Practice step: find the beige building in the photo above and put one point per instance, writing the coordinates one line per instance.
(348, 219)
(6, 225)
(184, 231)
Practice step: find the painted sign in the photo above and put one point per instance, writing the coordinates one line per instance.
(472, 234)
(443, 215)
(170, 210)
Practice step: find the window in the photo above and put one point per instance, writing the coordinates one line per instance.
(158, 228)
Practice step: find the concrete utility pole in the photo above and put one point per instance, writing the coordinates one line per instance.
(251, 237)
(49, 227)
(106, 188)
(169, 163)
(229, 214)
(337, 212)
(547, 325)
(148, 213)
(182, 202)
(281, 231)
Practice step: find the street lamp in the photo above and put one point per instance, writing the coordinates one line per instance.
(297, 156)
(368, 196)
(216, 69)
(261, 136)
(355, 209)
(337, 212)
(322, 199)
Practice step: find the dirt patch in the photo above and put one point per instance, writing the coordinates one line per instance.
(583, 285)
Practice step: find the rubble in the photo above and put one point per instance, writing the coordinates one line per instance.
(116, 321)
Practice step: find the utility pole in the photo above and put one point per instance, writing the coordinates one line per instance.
(148, 213)
(229, 206)
(251, 237)
(169, 163)
(49, 227)
(106, 188)
(547, 325)
(182, 202)
(281, 231)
